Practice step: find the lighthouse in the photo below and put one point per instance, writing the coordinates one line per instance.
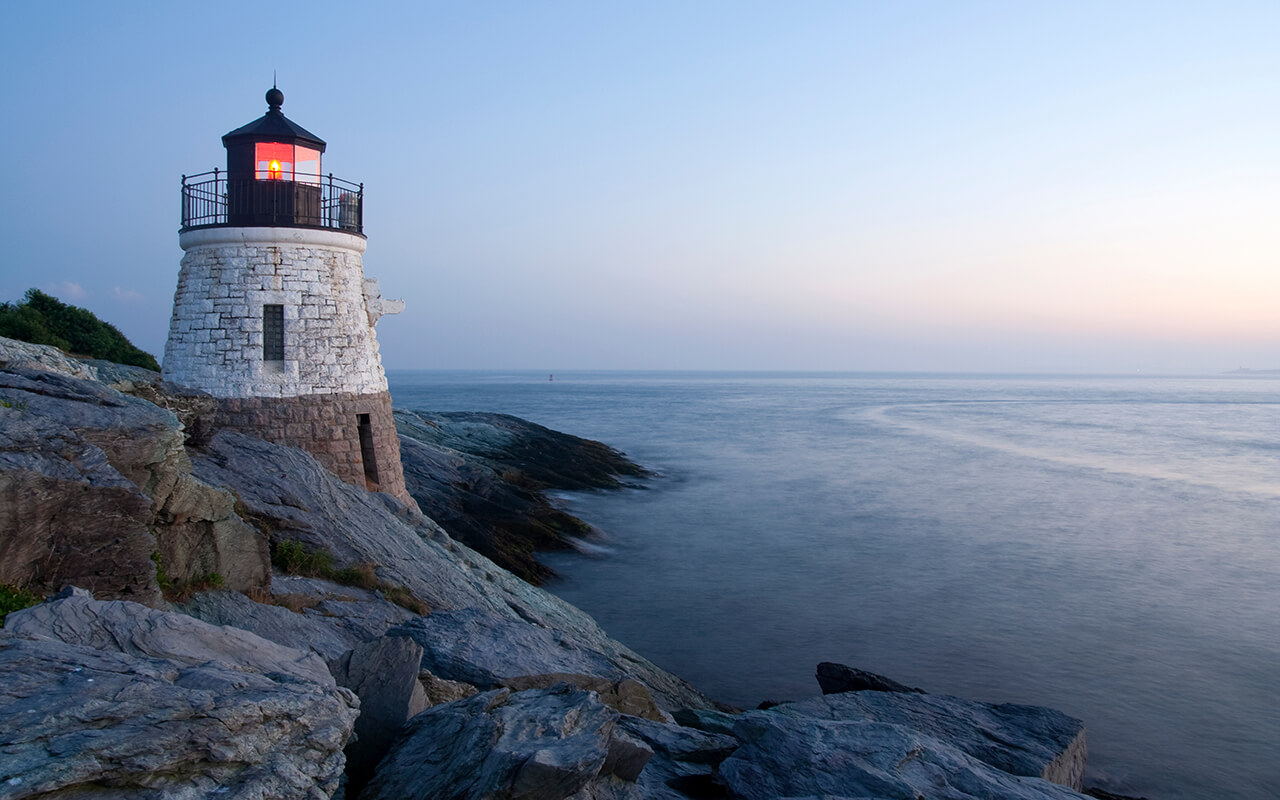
(273, 314)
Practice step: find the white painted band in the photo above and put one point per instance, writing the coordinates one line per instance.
(304, 237)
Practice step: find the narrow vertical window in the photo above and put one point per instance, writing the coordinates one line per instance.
(272, 333)
(367, 453)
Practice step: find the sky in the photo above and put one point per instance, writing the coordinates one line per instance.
(921, 186)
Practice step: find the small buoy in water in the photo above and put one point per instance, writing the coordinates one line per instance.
(551, 377)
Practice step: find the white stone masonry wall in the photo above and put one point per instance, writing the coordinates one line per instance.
(229, 274)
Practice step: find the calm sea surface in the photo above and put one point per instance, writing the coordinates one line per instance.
(1108, 546)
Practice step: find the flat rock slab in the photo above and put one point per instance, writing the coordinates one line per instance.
(482, 649)
(135, 630)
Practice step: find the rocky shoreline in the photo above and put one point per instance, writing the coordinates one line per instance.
(246, 625)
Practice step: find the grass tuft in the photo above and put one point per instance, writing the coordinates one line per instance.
(13, 599)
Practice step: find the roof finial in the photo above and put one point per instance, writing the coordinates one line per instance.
(275, 97)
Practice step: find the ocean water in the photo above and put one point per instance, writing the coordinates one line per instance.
(1108, 546)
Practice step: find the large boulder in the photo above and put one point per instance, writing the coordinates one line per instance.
(683, 765)
(113, 700)
(96, 490)
(542, 744)
(1018, 739)
(287, 494)
(784, 755)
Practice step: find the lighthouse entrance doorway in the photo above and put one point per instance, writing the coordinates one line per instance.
(367, 452)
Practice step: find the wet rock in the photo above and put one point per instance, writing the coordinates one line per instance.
(114, 700)
(546, 458)
(836, 678)
(482, 476)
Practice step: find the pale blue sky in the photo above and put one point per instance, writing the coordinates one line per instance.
(985, 186)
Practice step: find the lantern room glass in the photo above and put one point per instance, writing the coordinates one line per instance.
(281, 161)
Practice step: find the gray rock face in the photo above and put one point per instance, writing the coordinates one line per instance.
(286, 492)
(792, 756)
(112, 700)
(384, 675)
(94, 481)
(543, 744)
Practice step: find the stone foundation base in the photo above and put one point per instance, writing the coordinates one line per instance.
(351, 435)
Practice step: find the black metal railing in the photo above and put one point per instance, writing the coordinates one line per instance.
(212, 199)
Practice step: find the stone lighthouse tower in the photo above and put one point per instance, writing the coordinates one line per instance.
(273, 315)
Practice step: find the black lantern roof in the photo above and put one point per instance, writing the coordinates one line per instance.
(273, 126)
(273, 179)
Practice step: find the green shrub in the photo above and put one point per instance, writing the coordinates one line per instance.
(162, 578)
(295, 558)
(14, 599)
(43, 319)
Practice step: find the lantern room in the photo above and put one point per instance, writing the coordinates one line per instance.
(273, 178)
(273, 147)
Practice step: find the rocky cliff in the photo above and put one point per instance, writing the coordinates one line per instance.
(396, 661)
(482, 477)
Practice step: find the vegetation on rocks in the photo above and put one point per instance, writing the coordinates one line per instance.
(44, 319)
(13, 599)
(295, 558)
